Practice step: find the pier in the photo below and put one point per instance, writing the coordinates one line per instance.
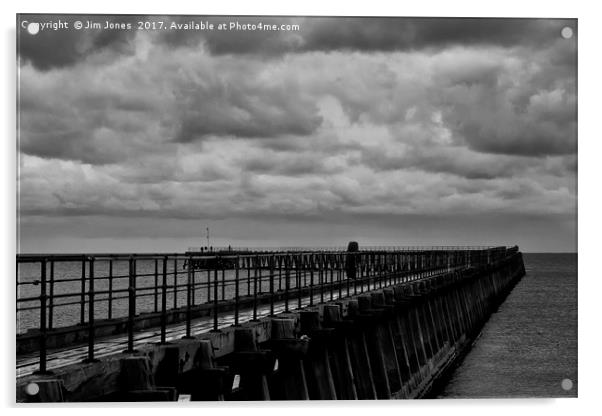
(378, 323)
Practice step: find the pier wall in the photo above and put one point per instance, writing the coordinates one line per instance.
(397, 342)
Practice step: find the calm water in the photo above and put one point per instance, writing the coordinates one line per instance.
(529, 346)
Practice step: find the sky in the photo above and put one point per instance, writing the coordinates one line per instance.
(386, 131)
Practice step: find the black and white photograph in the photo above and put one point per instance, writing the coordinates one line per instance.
(266, 208)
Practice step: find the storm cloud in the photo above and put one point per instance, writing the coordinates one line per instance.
(345, 118)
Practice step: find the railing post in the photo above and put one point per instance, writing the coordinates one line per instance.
(287, 275)
(82, 313)
(368, 271)
(43, 298)
(164, 302)
(381, 270)
(51, 297)
(298, 273)
(223, 283)
(249, 275)
(215, 302)
(156, 284)
(374, 274)
(110, 305)
(281, 262)
(339, 263)
(208, 285)
(304, 263)
(91, 313)
(17, 292)
(400, 267)
(374, 270)
(331, 268)
(311, 266)
(131, 304)
(272, 273)
(377, 272)
(393, 269)
(188, 299)
(321, 276)
(175, 283)
(256, 265)
(193, 271)
(236, 291)
(354, 259)
(348, 279)
(385, 270)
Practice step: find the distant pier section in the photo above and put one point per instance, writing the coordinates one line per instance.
(240, 324)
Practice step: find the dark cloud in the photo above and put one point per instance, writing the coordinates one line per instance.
(544, 138)
(448, 160)
(388, 34)
(75, 117)
(111, 111)
(59, 48)
(290, 164)
(376, 121)
(368, 34)
(542, 122)
(233, 107)
(55, 49)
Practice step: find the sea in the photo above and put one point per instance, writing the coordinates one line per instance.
(528, 348)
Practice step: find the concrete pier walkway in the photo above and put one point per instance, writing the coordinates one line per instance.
(370, 325)
(28, 363)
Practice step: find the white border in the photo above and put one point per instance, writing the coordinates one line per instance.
(589, 183)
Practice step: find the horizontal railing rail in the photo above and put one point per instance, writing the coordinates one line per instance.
(69, 292)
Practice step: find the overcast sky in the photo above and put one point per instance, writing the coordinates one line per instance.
(394, 131)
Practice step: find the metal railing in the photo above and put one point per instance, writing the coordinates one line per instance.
(314, 249)
(68, 292)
